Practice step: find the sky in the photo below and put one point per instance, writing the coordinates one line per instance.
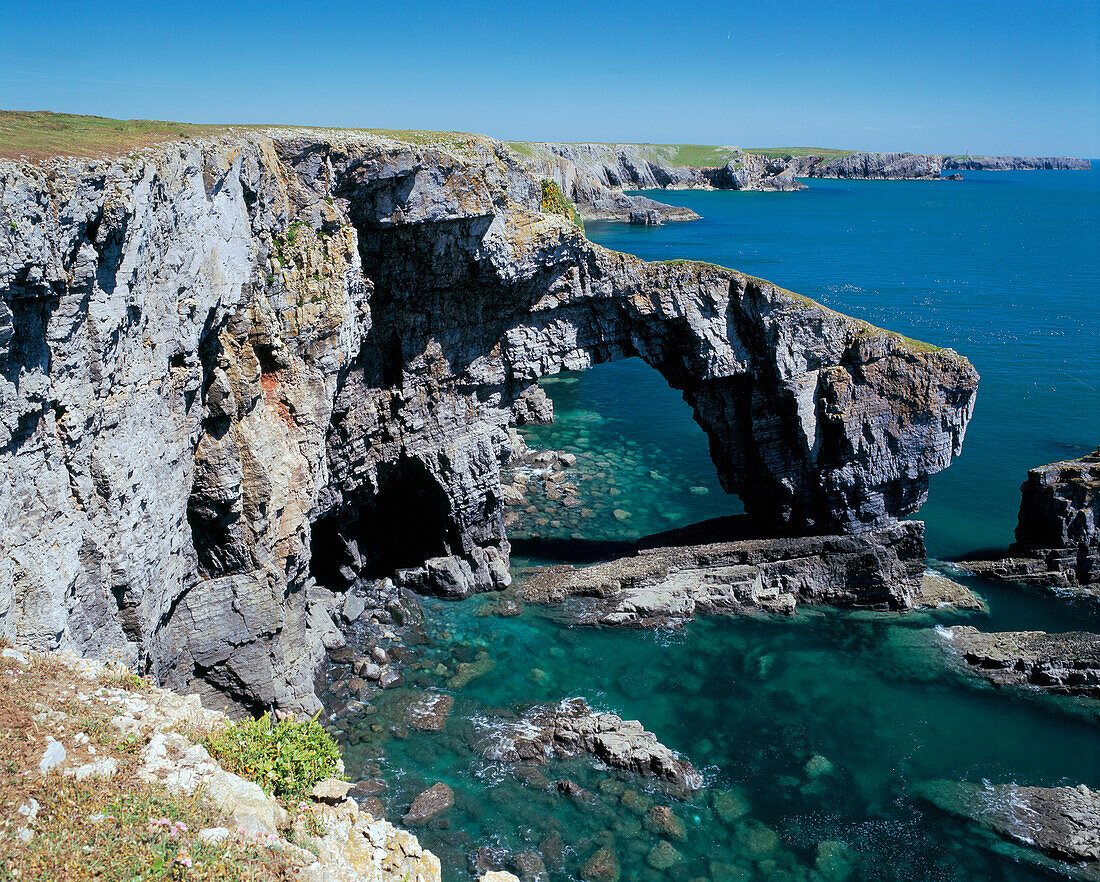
(1000, 77)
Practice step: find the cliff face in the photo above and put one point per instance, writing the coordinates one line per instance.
(869, 166)
(231, 369)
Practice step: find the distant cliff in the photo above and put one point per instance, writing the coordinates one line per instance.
(595, 175)
(1009, 163)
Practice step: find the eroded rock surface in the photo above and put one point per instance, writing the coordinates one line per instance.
(232, 368)
(572, 728)
(1066, 663)
(1060, 822)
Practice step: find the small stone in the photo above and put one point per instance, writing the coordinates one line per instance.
(530, 867)
(700, 491)
(101, 769)
(390, 678)
(214, 835)
(330, 790)
(354, 606)
(817, 765)
(433, 801)
(662, 856)
(756, 840)
(621, 515)
(53, 756)
(730, 805)
(636, 802)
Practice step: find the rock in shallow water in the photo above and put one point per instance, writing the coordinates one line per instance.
(433, 801)
(571, 728)
(1062, 822)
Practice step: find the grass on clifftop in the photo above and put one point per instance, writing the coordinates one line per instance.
(118, 828)
(827, 153)
(41, 134)
(285, 757)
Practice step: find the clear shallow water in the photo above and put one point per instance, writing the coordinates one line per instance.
(1002, 267)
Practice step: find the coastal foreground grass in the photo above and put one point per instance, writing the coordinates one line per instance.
(56, 827)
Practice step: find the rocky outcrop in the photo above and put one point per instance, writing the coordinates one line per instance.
(594, 176)
(1062, 823)
(332, 841)
(571, 728)
(1007, 163)
(1058, 531)
(230, 370)
(667, 585)
(1063, 664)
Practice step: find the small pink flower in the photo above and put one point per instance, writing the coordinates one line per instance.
(184, 860)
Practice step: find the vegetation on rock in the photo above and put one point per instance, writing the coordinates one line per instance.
(554, 201)
(285, 757)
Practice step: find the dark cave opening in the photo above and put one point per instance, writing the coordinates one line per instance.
(406, 522)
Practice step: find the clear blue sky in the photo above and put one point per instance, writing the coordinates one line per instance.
(981, 77)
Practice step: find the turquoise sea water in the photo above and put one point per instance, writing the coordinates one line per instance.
(1003, 267)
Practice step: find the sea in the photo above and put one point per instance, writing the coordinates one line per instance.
(819, 736)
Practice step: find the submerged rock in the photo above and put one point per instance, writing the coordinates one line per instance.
(572, 728)
(1066, 663)
(602, 866)
(433, 801)
(1061, 822)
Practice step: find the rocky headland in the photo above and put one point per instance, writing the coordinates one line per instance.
(243, 377)
(1015, 163)
(1058, 532)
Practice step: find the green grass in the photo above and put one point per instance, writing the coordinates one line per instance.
(42, 134)
(787, 152)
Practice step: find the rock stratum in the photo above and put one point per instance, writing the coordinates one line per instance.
(234, 371)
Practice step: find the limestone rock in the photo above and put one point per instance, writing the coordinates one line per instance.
(665, 586)
(331, 790)
(185, 451)
(572, 728)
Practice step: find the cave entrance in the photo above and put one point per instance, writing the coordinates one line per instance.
(406, 522)
(634, 463)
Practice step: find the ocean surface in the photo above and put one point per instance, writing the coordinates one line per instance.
(814, 733)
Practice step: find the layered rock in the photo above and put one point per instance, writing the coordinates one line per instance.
(1064, 664)
(231, 368)
(668, 585)
(1058, 822)
(1058, 531)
